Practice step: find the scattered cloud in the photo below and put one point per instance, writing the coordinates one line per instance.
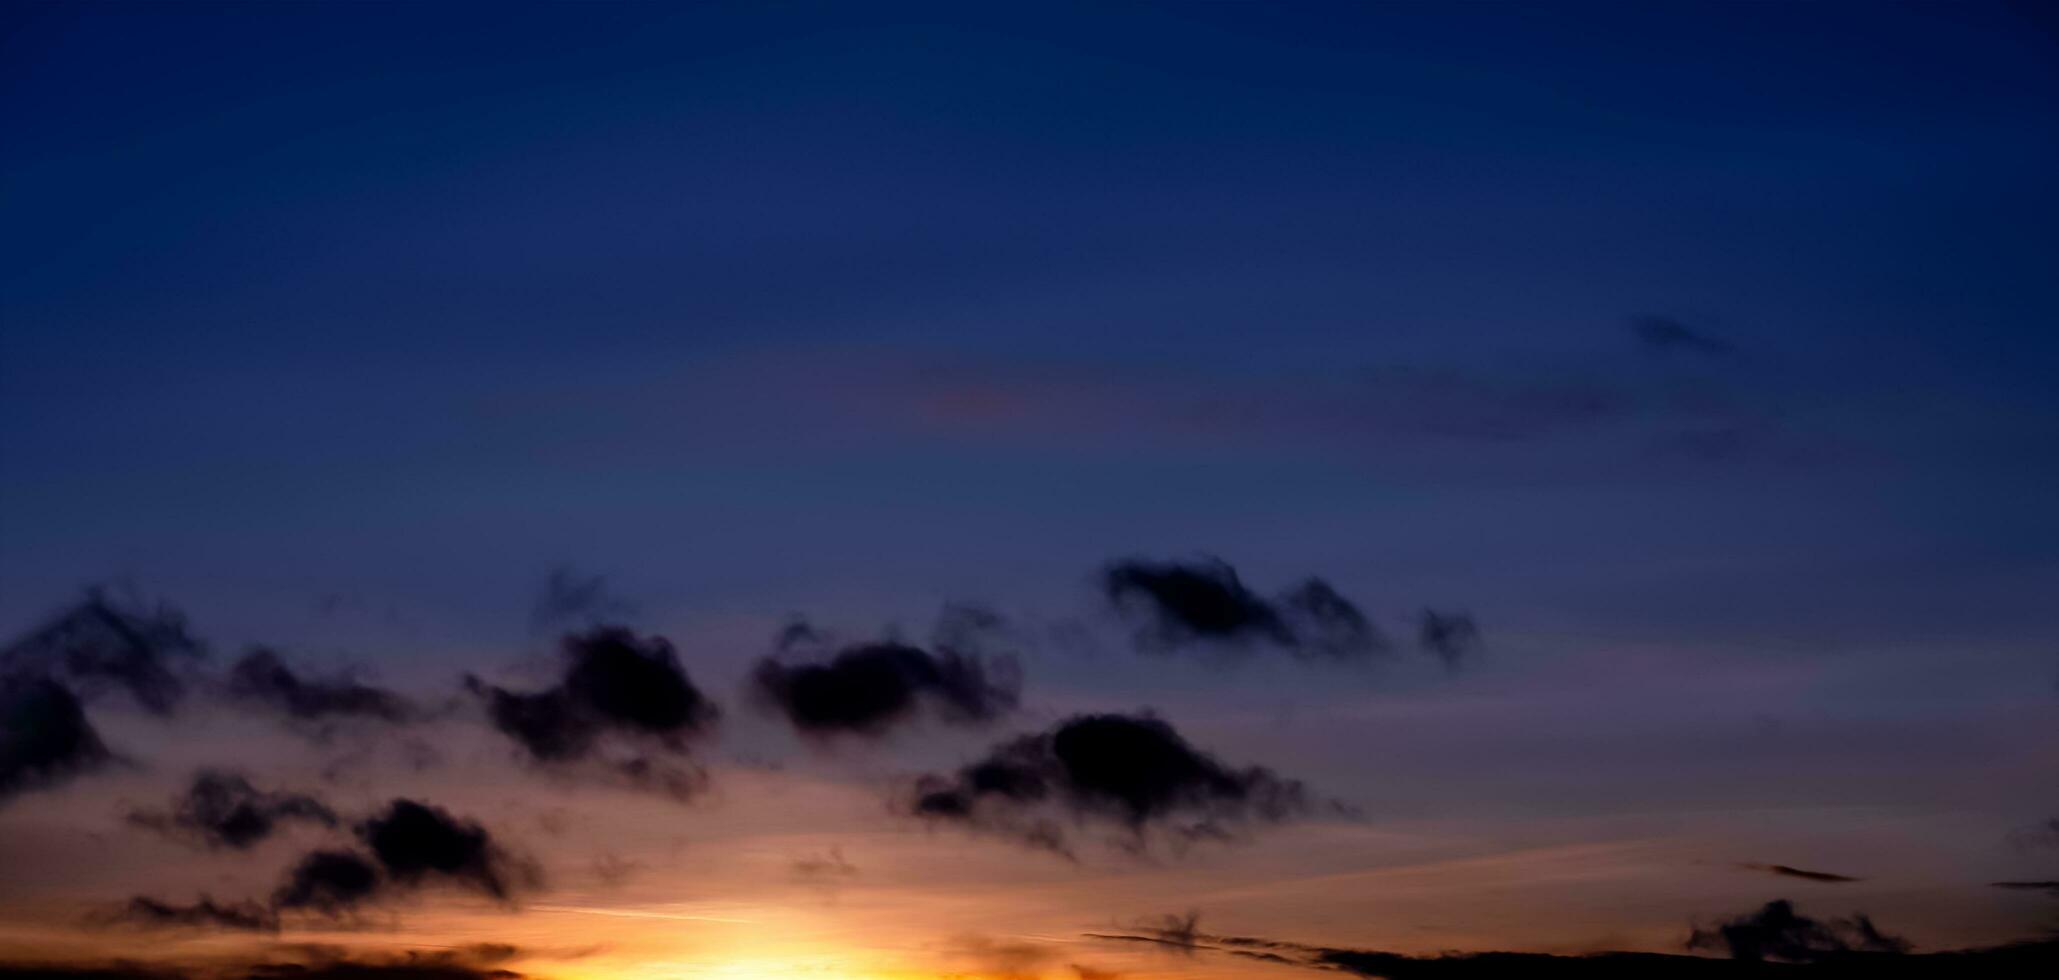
(1786, 871)
(206, 913)
(415, 841)
(45, 737)
(1133, 772)
(617, 688)
(869, 688)
(262, 678)
(222, 809)
(1451, 636)
(829, 866)
(1205, 602)
(332, 882)
(1777, 932)
(103, 644)
(569, 598)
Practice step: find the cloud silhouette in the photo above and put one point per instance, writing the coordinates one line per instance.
(246, 915)
(411, 844)
(99, 644)
(1777, 932)
(222, 809)
(616, 686)
(45, 737)
(868, 688)
(1204, 602)
(1786, 871)
(329, 881)
(479, 961)
(415, 841)
(262, 678)
(1133, 772)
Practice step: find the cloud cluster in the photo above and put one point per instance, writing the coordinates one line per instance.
(222, 809)
(406, 846)
(618, 689)
(1132, 772)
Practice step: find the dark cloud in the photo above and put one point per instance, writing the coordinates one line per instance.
(333, 882)
(99, 644)
(1452, 636)
(414, 967)
(261, 677)
(479, 961)
(1202, 600)
(2048, 886)
(1177, 933)
(205, 913)
(223, 809)
(616, 685)
(1331, 625)
(114, 970)
(1865, 953)
(45, 737)
(867, 689)
(1806, 875)
(569, 598)
(1777, 932)
(415, 841)
(1205, 602)
(411, 844)
(1665, 335)
(1132, 771)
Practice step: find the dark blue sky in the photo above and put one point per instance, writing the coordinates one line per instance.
(750, 306)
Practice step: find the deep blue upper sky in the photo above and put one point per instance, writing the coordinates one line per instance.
(753, 307)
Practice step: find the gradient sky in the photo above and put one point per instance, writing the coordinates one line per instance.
(1705, 354)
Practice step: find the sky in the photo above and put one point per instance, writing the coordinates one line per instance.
(737, 490)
